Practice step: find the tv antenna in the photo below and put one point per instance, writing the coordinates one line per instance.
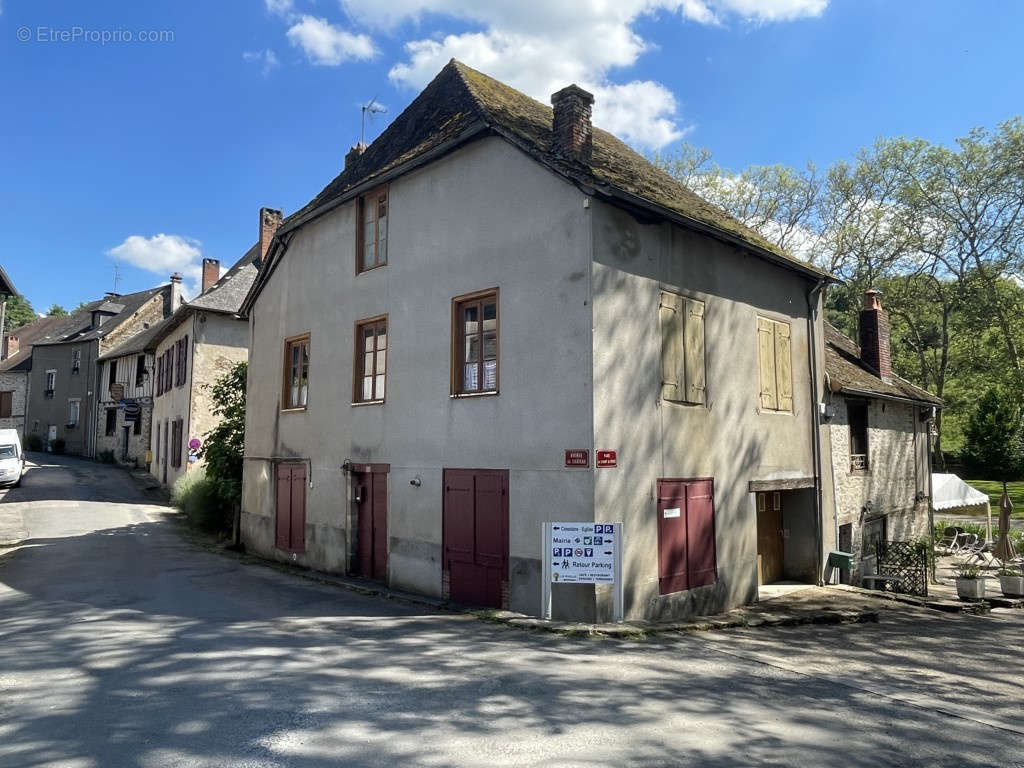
(117, 277)
(372, 107)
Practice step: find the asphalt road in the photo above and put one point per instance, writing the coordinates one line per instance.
(123, 645)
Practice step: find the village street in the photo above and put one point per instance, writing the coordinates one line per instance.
(123, 645)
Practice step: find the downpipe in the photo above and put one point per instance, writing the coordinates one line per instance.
(813, 297)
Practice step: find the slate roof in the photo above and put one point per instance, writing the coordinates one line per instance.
(27, 334)
(224, 296)
(77, 327)
(850, 374)
(461, 103)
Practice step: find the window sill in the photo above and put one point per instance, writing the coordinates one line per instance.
(770, 412)
(860, 472)
(370, 269)
(469, 395)
(366, 402)
(301, 409)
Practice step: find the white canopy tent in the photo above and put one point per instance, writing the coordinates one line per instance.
(950, 492)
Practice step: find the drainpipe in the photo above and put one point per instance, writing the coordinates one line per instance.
(812, 310)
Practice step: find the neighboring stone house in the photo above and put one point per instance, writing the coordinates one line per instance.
(14, 371)
(194, 348)
(64, 382)
(498, 316)
(125, 414)
(880, 435)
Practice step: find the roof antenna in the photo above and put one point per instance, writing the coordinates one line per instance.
(373, 108)
(117, 277)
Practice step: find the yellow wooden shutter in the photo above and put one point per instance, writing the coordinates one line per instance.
(693, 351)
(766, 358)
(670, 320)
(784, 366)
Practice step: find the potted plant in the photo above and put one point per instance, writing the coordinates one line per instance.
(970, 584)
(1011, 581)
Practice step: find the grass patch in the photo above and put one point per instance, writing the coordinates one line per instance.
(994, 489)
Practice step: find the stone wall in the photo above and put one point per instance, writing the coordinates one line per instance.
(16, 382)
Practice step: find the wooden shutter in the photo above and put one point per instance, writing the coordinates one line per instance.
(671, 321)
(6, 404)
(298, 509)
(693, 351)
(700, 533)
(784, 366)
(284, 505)
(766, 358)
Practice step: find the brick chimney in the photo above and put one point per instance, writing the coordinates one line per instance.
(270, 220)
(572, 133)
(354, 153)
(11, 346)
(175, 301)
(874, 335)
(211, 273)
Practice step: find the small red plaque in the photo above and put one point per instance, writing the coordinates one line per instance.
(606, 459)
(577, 458)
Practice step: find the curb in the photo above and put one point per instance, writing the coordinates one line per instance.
(13, 540)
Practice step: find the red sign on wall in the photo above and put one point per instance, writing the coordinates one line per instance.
(577, 458)
(606, 459)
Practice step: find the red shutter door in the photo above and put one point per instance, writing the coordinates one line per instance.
(475, 532)
(298, 509)
(700, 533)
(364, 489)
(6, 403)
(284, 505)
(379, 502)
(672, 565)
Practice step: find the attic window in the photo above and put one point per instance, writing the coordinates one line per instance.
(372, 232)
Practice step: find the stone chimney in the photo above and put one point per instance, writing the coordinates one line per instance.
(874, 335)
(354, 153)
(572, 133)
(175, 294)
(11, 346)
(270, 220)
(211, 273)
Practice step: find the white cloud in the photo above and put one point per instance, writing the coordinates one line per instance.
(266, 58)
(327, 44)
(539, 46)
(163, 254)
(283, 8)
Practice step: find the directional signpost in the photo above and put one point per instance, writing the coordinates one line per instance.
(581, 553)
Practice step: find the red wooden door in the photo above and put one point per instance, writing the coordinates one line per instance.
(475, 535)
(686, 535)
(373, 524)
(672, 550)
(291, 507)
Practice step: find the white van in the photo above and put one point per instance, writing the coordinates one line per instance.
(12, 459)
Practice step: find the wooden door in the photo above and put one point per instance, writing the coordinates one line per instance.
(687, 555)
(770, 553)
(475, 535)
(372, 495)
(291, 507)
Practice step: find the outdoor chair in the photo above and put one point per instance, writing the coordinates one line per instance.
(950, 539)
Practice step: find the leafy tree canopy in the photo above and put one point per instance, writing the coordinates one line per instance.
(19, 312)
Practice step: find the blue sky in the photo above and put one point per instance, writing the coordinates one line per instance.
(159, 153)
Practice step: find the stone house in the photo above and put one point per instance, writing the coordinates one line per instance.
(498, 316)
(64, 385)
(192, 349)
(14, 371)
(125, 399)
(880, 437)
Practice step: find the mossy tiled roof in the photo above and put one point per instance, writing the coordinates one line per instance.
(848, 372)
(460, 100)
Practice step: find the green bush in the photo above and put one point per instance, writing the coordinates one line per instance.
(107, 457)
(198, 497)
(33, 443)
(58, 445)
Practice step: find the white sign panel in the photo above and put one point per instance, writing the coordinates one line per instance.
(582, 553)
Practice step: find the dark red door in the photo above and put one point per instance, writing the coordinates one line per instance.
(475, 534)
(373, 524)
(291, 507)
(686, 535)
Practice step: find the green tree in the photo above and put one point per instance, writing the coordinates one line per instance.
(56, 310)
(19, 312)
(994, 437)
(224, 445)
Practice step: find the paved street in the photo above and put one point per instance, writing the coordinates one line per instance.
(123, 645)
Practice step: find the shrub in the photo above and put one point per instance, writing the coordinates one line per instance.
(198, 497)
(33, 443)
(107, 457)
(58, 445)
(967, 571)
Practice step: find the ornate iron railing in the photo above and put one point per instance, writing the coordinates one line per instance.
(858, 462)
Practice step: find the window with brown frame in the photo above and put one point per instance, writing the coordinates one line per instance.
(370, 360)
(372, 232)
(475, 343)
(296, 373)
